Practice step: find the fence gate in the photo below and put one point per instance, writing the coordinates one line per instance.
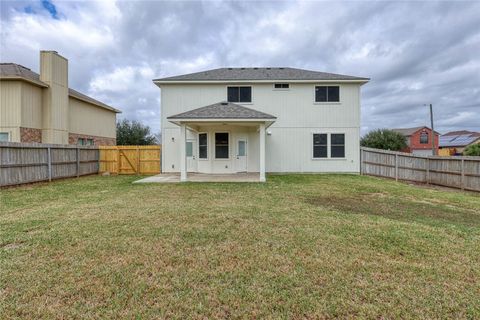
(130, 159)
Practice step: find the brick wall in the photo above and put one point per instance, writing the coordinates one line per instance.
(415, 141)
(98, 141)
(30, 135)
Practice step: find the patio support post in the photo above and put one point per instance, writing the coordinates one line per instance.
(183, 152)
(262, 152)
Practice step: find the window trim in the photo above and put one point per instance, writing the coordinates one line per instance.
(208, 153)
(215, 146)
(327, 102)
(281, 89)
(8, 133)
(344, 145)
(420, 137)
(329, 146)
(313, 146)
(239, 85)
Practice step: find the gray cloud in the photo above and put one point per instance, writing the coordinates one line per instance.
(415, 52)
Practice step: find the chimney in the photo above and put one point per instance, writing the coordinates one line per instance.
(54, 72)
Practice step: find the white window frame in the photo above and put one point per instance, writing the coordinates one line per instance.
(329, 146)
(235, 86)
(344, 145)
(208, 149)
(215, 146)
(281, 89)
(9, 135)
(312, 145)
(328, 85)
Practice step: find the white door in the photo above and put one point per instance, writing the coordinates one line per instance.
(191, 156)
(241, 160)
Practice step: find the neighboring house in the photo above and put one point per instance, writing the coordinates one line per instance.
(41, 108)
(456, 141)
(419, 140)
(231, 120)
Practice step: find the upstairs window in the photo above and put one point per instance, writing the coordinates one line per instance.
(90, 142)
(424, 138)
(320, 145)
(202, 146)
(81, 141)
(283, 86)
(221, 145)
(327, 93)
(239, 94)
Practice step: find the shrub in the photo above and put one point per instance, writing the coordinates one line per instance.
(472, 150)
(384, 139)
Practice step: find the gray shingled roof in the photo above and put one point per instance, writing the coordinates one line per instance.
(222, 110)
(16, 71)
(12, 70)
(232, 74)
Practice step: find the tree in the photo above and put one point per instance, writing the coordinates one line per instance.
(384, 139)
(133, 133)
(472, 150)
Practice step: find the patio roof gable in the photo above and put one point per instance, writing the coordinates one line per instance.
(223, 111)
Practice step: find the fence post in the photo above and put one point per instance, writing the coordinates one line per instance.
(396, 166)
(138, 160)
(463, 174)
(78, 162)
(427, 175)
(49, 159)
(361, 161)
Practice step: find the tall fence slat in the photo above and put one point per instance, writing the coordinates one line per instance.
(456, 172)
(33, 162)
(130, 159)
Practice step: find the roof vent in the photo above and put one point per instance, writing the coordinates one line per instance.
(255, 68)
(281, 68)
(224, 103)
(242, 68)
(268, 68)
(230, 68)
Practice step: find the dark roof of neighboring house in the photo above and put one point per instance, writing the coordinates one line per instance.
(241, 74)
(409, 131)
(15, 71)
(462, 132)
(222, 110)
(461, 138)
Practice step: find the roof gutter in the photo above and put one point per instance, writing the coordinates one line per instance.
(159, 82)
(95, 104)
(37, 83)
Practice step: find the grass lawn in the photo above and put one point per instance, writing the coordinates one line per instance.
(298, 246)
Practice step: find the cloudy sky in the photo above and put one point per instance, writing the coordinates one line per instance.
(415, 52)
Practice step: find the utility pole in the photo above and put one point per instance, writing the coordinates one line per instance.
(433, 130)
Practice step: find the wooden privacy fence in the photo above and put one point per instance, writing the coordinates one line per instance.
(32, 162)
(456, 172)
(130, 159)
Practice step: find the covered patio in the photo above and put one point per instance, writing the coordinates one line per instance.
(222, 140)
(202, 177)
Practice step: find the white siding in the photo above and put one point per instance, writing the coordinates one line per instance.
(289, 147)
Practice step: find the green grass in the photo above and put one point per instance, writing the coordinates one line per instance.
(299, 246)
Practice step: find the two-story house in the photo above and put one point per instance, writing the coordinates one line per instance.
(231, 120)
(41, 108)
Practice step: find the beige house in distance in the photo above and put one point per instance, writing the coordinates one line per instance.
(42, 108)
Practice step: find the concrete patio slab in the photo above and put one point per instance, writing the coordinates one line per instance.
(202, 177)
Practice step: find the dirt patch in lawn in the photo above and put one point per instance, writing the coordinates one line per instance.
(380, 204)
